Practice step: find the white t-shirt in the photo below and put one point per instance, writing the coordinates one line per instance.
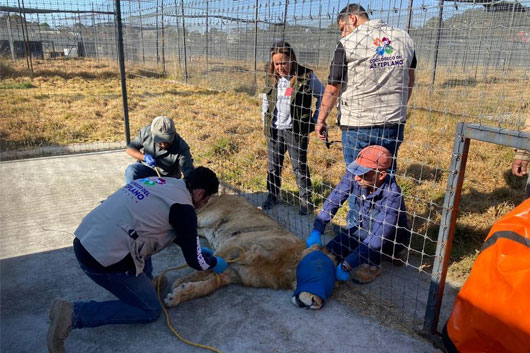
(282, 119)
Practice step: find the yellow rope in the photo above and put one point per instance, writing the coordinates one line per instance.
(168, 322)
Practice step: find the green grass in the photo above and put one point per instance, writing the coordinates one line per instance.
(79, 101)
(19, 85)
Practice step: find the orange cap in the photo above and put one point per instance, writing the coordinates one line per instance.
(371, 158)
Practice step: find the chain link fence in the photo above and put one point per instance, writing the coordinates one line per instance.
(204, 64)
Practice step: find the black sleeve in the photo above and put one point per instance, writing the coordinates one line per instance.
(338, 69)
(414, 62)
(184, 219)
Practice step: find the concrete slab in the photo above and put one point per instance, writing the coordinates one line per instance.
(44, 201)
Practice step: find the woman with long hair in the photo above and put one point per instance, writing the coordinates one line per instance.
(288, 120)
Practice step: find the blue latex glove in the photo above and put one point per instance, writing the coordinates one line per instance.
(221, 265)
(314, 238)
(341, 274)
(206, 251)
(150, 160)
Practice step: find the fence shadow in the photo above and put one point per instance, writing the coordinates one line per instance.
(469, 238)
(422, 172)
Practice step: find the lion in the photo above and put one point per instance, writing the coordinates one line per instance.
(260, 254)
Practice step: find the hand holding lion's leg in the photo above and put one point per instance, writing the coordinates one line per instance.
(191, 290)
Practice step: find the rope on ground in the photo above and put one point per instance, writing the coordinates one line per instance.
(166, 313)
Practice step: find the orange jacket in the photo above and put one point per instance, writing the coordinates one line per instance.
(492, 311)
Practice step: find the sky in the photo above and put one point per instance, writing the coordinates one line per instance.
(317, 13)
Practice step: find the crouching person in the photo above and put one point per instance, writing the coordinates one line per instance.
(115, 242)
(162, 149)
(382, 216)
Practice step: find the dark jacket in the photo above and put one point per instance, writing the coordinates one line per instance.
(301, 98)
(173, 162)
(382, 213)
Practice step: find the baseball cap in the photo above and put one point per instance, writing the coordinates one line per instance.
(163, 129)
(371, 158)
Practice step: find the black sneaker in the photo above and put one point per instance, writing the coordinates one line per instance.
(269, 202)
(306, 208)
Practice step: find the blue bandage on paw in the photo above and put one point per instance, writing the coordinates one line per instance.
(315, 274)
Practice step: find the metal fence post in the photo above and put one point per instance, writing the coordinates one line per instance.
(25, 35)
(510, 35)
(207, 35)
(156, 33)
(141, 30)
(121, 59)
(163, 40)
(447, 230)
(437, 43)
(285, 19)
(409, 15)
(184, 39)
(256, 43)
(177, 31)
(95, 34)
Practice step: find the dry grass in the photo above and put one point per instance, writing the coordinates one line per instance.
(74, 101)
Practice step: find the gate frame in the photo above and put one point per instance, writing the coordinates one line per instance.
(464, 134)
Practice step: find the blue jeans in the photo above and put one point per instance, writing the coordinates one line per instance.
(138, 171)
(137, 299)
(355, 139)
(347, 246)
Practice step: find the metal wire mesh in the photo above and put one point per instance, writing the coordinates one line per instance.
(472, 67)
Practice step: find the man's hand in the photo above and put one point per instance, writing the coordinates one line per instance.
(314, 238)
(519, 167)
(149, 160)
(221, 265)
(321, 130)
(341, 274)
(329, 99)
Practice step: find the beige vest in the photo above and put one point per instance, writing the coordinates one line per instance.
(376, 92)
(135, 220)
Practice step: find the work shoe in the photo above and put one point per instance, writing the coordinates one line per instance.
(61, 315)
(366, 273)
(306, 207)
(270, 202)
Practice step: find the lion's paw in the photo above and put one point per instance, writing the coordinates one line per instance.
(172, 300)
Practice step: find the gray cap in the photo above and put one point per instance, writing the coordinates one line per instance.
(163, 129)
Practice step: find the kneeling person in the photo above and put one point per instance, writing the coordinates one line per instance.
(382, 216)
(160, 147)
(114, 244)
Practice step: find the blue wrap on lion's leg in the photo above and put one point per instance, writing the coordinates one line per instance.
(315, 274)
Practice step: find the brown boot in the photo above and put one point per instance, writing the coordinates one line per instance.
(366, 274)
(61, 314)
